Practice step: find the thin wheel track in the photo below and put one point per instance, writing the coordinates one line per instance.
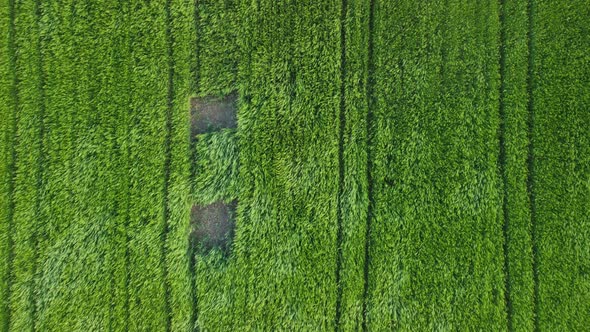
(12, 162)
(342, 123)
(371, 105)
(41, 162)
(125, 9)
(127, 221)
(128, 188)
(167, 161)
(119, 205)
(531, 161)
(193, 169)
(503, 167)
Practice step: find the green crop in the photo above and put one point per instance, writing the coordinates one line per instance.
(397, 165)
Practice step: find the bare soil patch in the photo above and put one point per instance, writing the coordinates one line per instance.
(213, 226)
(210, 114)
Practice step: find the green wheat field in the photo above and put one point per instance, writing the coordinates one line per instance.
(396, 165)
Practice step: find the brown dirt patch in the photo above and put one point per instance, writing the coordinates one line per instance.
(213, 226)
(209, 114)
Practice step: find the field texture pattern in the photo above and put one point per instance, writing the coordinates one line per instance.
(397, 165)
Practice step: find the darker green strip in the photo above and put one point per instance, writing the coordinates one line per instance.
(371, 106)
(40, 165)
(531, 162)
(121, 278)
(11, 137)
(341, 161)
(192, 176)
(126, 169)
(503, 167)
(167, 160)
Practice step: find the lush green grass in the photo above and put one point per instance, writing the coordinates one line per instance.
(181, 43)
(435, 246)
(74, 280)
(102, 197)
(282, 273)
(117, 99)
(61, 231)
(353, 191)
(514, 156)
(397, 165)
(217, 45)
(561, 163)
(149, 79)
(216, 65)
(28, 162)
(217, 167)
(289, 167)
(7, 124)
